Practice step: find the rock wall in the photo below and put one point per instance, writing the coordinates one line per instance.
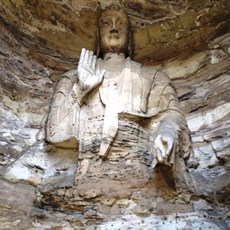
(28, 77)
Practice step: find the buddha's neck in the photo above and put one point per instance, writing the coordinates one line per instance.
(113, 62)
(114, 57)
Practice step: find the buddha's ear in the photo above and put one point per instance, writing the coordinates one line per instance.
(130, 45)
(98, 49)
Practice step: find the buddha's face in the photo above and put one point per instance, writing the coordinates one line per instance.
(114, 29)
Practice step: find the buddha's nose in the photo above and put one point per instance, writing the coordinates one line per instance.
(114, 28)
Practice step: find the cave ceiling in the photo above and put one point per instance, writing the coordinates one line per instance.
(54, 31)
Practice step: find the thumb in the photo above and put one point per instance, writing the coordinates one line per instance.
(102, 74)
(169, 146)
(154, 162)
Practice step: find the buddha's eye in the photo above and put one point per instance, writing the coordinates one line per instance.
(121, 23)
(104, 24)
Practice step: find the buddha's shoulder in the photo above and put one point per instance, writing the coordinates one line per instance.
(150, 72)
(69, 77)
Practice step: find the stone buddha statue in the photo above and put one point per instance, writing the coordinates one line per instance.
(122, 117)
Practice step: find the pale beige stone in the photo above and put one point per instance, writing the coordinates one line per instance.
(89, 102)
(53, 33)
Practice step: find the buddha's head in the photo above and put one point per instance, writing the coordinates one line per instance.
(114, 34)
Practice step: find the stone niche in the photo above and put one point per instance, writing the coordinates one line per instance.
(40, 40)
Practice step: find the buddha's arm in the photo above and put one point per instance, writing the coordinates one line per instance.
(62, 123)
(64, 116)
(172, 135)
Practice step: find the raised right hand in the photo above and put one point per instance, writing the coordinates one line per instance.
(87, 78)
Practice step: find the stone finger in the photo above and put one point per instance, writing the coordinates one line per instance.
(82, 55)
(94, 62)
(86, 57)
(161, 147)
(169, 148)
(90, 59)
(154, 162)
(159, 156)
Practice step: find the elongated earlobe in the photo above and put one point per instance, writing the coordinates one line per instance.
(130, 45)
(98, 50)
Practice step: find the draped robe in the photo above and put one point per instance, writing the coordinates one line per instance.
(118, 120)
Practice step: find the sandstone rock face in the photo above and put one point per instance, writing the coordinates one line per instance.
(42, 39)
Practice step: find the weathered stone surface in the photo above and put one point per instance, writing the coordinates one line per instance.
(16, 204)
(178, 221)
(42, 163)
(126, 120)
(36, 46)
(161, 29)
(26, 91)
